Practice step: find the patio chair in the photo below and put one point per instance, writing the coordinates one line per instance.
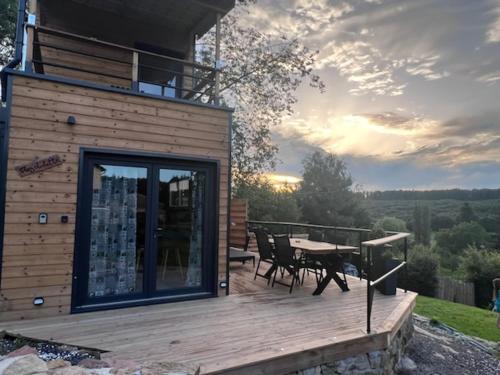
(310, 262)
(265, 253)
(237, 254)
(286, 258)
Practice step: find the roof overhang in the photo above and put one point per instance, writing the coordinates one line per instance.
(186, 16)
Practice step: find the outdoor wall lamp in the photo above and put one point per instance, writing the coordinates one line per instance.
(71, 120)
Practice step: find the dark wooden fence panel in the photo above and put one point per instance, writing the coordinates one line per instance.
(456, 291)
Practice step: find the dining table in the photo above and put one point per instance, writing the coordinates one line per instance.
(329, 255)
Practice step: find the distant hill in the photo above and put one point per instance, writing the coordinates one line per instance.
(415, 195)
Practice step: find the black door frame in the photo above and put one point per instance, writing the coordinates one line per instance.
(153, 162)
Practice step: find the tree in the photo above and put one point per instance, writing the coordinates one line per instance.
(466, 214)
(261, 74)
(268, 204)
(8, 13)
(422, 224)
(325, 194)
(451, 243)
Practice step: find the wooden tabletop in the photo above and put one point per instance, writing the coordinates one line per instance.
(316, 247)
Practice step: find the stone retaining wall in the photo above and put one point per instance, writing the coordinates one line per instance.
(379, 362)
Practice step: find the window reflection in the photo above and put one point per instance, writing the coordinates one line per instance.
(180, 228)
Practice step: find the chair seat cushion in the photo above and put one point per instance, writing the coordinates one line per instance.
(236, 254)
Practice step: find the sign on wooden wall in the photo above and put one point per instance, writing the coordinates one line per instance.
(39, 165)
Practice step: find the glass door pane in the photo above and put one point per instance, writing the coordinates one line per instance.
(117, 235)
(179, 233)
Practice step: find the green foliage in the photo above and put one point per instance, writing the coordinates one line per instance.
(422, 224)
(481, 267)
(8, 14)
(441, 221)
(422, 269)
(391, 224)
(325, 195)
(377, 232)
(265, 203)
(469, 320)
(466, 214)
(444, 211)
(451, 243)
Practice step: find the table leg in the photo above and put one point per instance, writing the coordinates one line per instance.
(331, 266)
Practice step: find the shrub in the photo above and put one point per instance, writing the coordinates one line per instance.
(481, 267)
(391, 224)
(422, 270)
(451, 243)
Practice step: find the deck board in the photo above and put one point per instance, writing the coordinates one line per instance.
(255, 330)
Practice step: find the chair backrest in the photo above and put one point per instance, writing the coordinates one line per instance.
(263, 245)
(315, 235)
(336, 237)
(285, 255)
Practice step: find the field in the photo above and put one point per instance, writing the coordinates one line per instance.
(469, 320)
(403, 209)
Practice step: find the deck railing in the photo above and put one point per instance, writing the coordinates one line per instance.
(379, 244)
(55, 52)
(370, 246)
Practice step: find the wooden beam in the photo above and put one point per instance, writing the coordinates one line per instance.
(135, 71)
(30, 36)
(211, 7)
(217, 59)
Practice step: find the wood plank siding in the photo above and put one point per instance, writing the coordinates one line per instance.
(101, 64)
(38, 259)
(238, 224)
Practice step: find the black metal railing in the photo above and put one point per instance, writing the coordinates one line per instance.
(365, 264)
(55, 52)
(379, 244)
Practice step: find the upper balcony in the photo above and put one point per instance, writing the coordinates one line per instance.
(147, 47)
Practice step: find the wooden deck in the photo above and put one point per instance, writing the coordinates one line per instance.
(255, 330)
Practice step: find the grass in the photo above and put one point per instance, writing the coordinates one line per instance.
(469, 320)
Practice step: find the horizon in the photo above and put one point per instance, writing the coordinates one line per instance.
(405, 109)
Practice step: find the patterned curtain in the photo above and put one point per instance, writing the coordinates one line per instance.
(113, 237)
(195, 248)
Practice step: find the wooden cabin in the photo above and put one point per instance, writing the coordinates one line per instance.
(114, 163)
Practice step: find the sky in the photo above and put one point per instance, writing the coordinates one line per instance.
(413, 89)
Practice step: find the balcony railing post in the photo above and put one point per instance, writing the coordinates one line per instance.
(361, 268)
(369, 293)
(217, 60)
(406, 263)
(135, 71)
(29, 35)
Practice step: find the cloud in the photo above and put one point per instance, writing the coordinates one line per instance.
(362, 65)
(493, 31)
(387, 136)
(425, 67)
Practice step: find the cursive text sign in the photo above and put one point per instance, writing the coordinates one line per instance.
(39, 165)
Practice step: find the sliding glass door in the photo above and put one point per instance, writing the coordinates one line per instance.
(146, 230)
(181, 197)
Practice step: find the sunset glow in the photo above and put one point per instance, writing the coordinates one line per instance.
(412, 89)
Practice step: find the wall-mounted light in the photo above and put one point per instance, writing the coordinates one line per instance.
(223, 285)
(71, 120)
(38, 301)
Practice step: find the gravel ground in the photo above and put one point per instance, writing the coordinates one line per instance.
(46, 351)
(439, 350)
